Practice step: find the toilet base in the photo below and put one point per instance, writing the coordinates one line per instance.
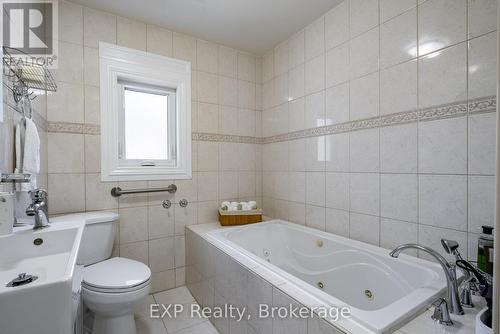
(124, 324)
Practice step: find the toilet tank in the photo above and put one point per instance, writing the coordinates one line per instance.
(98, 237)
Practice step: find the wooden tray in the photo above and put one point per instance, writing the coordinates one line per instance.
(233, 218)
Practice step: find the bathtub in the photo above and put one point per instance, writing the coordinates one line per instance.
(382, 292)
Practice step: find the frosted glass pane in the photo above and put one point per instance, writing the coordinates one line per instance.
(146, 126)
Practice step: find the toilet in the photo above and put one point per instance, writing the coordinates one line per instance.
(111, 287)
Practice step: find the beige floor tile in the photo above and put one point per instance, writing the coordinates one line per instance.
(203, 328)
(172, 296)
(147, 325)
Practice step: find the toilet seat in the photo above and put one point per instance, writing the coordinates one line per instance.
(122, 290)
(116, 275)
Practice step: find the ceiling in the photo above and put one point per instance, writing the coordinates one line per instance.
(251, 25)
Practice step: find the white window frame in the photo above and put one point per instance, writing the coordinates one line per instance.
(123, 67)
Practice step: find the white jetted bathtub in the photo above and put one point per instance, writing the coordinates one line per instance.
(382, 292)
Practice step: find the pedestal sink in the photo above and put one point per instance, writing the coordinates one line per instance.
(40, 301)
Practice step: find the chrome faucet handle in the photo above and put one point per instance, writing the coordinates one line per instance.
(38, 194)
(451, 247)
(468, 288)
(441, 312)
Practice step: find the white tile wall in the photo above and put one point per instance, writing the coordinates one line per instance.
(315, 74)
(337, 104)
(227, 94)
(363, 16)
(159, 40)
(337, 65)
(394, 233)
(398, 148)
(481, 16)
(481, 144)
(398, 39)
(443, 146)
(407, 182)
(365, 193)
(392, 8)
(364, 151)
(482, 55)
(337, 222)
(337, 25)
(398, 88)
(364, 97)
(365, 228)
(441, 23)
(337, 151)
(480, 200)
(364, 53)
(443, 76)
(315, 39)
(131, 34)
(398, 196)
(315, 110)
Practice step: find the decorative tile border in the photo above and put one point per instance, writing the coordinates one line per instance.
(198, 136)
(91, 129)
(483, 105)
(78, 128)
(443, 111)
(399, 118)
(476, 106)
(62, 127)
(95, 129)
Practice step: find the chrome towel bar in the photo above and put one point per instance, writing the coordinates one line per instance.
(117, 191)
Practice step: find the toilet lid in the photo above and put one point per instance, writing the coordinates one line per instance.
(116, 273)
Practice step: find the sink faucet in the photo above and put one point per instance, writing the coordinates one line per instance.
(452, 302)
(39, 208)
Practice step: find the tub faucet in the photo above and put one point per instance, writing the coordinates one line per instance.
(469, 284)
(39, 208)
(452, 302)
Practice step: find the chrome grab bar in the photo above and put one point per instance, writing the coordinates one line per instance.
(117, 191)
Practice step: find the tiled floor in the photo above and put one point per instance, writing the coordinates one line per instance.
(182, 324)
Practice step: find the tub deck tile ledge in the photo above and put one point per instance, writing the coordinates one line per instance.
(462, 324)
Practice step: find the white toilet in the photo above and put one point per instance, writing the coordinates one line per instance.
(111, 287)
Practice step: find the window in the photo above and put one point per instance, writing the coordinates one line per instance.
(145, 115)
(148, 125)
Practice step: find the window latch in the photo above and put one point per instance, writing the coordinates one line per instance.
(120, 151)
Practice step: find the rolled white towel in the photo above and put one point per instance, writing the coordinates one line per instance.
(246, 206)
(253, 205)
(225, 205)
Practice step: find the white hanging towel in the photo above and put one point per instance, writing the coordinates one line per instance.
(28, 153)
(19, 144)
